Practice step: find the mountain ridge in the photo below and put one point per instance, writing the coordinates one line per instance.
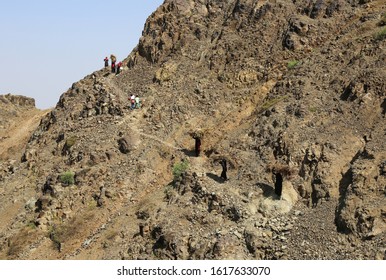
(268, 83)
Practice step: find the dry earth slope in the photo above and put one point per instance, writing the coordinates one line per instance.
(297, 84)
(18, 119)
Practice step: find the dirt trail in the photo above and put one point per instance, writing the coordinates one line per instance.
(132, 120)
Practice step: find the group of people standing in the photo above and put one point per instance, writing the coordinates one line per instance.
(115, 67)
(135, 102)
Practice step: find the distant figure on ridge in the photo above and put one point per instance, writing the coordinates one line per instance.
(119, 65)
(106, 60)
(113, 61)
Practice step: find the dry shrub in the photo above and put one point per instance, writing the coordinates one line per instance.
(63, 232)
(19, 242)
(283, 169)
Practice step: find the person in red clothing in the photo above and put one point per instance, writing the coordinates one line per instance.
(113, 61)
(119, 65)
(106, 60)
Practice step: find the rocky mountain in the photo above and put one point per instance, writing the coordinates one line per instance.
(296, 86)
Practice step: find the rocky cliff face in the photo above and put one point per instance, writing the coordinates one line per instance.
(294, 85)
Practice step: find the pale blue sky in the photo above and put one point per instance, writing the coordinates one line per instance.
(46, 45)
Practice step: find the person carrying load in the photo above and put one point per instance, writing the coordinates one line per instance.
(113, 61)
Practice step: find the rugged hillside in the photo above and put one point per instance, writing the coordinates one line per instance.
(18, 119)
(269, 83)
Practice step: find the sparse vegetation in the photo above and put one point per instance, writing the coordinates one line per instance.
(292, 64)
(92, 205)
(271, 102)
(18, 243)
(31, 225)
(179, 169)
(67, 178)
(70, 142)
(170, 193)
(63, 232)
(284, 169)
(380, 35)
(382, 22)
(111, 234)
(54, 235)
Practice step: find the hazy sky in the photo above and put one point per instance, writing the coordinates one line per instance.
(46, 45)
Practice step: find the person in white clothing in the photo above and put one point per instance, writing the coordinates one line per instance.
(132, 100)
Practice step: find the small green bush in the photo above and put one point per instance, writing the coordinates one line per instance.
(70, 142)
(380, 35)
(272, 102)
(292, 64)
(383, 20)
(67, 178)
(180, 168)
(31, 225)
(55, 235)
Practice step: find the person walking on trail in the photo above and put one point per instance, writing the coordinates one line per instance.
(132, 101)
(223, 163)
(278, 183)
(113, 61)
(137, 102)
(106, 60)
(119, 65)
(197, 146)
